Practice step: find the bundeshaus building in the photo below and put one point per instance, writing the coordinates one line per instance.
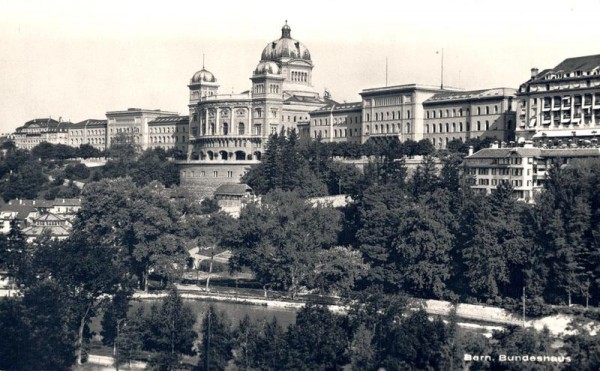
(227, 127)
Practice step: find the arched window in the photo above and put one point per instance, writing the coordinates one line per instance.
(241, 128)
(225, 128)
(440, 128)
(478, 125)
(487, 125)
(408, 128)
(447, 128)
(427, 129)
(454, 127)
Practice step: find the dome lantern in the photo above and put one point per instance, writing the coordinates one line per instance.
(286, 31)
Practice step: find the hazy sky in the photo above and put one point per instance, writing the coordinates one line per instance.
(79, 59)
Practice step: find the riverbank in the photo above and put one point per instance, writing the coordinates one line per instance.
(481, 318)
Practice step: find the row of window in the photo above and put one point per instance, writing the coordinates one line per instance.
(166, 139)
(447, 128)
(89, 132)
(379, 116)
(338, 120)
(495, 182)
(78, 141)
(503, 171)
(390, 101)
(432, 114)
(389, 128)
(299, 76)
(201, 174)
(341, 133)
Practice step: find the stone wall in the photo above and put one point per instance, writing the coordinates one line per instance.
(202, 178)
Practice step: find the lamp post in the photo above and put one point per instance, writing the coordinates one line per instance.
(116, 350)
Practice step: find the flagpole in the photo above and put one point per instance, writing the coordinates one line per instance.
(442, 77)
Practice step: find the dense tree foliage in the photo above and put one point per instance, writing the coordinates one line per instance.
(141, 223)
(281, 240)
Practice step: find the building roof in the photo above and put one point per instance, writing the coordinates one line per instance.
(571, 152)
(39, 203)
(452, 96)
(584, 65)
(89, 123)
(38, 230)
(169, 120)
(233, 189)
(49, 217)
(302, 99)
(403, 88)
(352, 106)
(134, 111)
(47, 123)
(505, 152)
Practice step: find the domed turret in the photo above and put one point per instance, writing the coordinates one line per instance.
(285, 47)
(203, 76)
(267, 67)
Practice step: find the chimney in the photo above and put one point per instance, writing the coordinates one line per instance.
(528, 144)
(63, 200)
(494, 145)
(534, 72)
(470, 150)
(20, 202)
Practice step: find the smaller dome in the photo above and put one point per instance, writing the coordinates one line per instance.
(203, 75)
(267, 67)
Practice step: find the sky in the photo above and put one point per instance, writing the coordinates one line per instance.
(79, 59)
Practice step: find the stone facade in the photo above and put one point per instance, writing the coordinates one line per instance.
(561, 105)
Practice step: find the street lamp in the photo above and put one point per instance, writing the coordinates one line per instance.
(116, 350)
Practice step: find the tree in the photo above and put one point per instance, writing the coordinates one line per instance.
(245, 338)
(280, 239)
(516, 340)
(283, 167)
(170, 331)
(362, 351)
(338, 270)
(38, 329)
(77, 171)
(87, 272)
(422, 245)
(414, 344)
(141, 223)
(425, 178)
(425, 147)
(216, 341)
(88, 151)
(153, 165)
(272, 347)
(317, 341)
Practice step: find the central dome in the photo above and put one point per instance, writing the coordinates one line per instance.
(285, 47)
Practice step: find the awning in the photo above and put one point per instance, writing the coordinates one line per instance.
(566, 133)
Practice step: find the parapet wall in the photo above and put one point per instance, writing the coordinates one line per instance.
(202, 178)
